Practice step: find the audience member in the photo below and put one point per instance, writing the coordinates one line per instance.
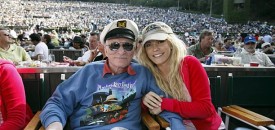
(14, 111)
(95, 52)
(48, 40)
(267, 48)
(228, 45)
(202, 49)
(41, 49)
(218, 46)
(249, 54)
(9, 50)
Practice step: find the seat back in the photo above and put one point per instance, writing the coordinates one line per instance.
(251, 91)
(215, 87)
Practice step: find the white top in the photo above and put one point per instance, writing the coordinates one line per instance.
(259, 57)
(41, 48)
(86, 56)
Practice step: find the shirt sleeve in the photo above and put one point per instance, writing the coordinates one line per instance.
(199, 90)
(64, 99)
(13, 98)
(268, 62)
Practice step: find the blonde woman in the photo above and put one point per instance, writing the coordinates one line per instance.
(181, 77)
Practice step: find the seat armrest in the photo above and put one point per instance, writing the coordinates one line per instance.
(149, 121)
(162, 122)
(247, 115)
(35, 123)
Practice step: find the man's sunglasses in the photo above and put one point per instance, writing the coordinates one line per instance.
(116, 45)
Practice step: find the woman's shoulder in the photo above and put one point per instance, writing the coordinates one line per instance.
(190, 59)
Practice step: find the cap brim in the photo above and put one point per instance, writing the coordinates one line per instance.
(250, 41)
(155, 36)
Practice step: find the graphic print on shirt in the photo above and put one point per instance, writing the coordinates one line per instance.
(110, 103)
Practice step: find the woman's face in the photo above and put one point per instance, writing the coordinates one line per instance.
(218, 45)
(158, 51)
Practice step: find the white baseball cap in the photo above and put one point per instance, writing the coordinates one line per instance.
(265, 44)
(156, 31)
(120, 28)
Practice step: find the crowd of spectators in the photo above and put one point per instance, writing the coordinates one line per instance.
(91, 15)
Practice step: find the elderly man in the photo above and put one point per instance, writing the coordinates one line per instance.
(10, 51)
(202, 49)
(104, 94)
(249, 54)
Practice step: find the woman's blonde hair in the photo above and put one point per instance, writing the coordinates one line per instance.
(174, 85)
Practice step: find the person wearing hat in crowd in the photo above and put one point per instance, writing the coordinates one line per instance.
(204, 48)
(81, 98)
(267, 48)
(249, 54)
(177, 75)
(78, 43)
(95, 52)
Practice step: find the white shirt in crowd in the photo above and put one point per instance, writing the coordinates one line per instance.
(259, 57)
(42, 49)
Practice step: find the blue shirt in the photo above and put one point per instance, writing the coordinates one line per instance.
(92, 98)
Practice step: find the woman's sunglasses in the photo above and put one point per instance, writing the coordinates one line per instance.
(116, 45)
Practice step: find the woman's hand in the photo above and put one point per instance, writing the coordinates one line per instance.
(152, 100)
(155, 111)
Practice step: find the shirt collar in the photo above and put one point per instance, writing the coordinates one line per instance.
(107, 69)
(246, 52)
(11, 48)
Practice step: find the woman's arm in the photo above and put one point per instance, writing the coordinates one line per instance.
(199, 90)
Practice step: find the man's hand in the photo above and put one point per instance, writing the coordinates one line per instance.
(55, 126)
(79, 63)
(93, 55)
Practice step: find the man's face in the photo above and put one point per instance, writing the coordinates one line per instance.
(93, 42)
(250, 47)
(207, 41)
(119, 52)
(5, 37)
(228, 43)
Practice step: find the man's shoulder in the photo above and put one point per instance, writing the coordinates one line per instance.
(193, 47)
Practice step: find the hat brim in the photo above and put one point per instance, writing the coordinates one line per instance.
(155, 36)
(120, 33)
